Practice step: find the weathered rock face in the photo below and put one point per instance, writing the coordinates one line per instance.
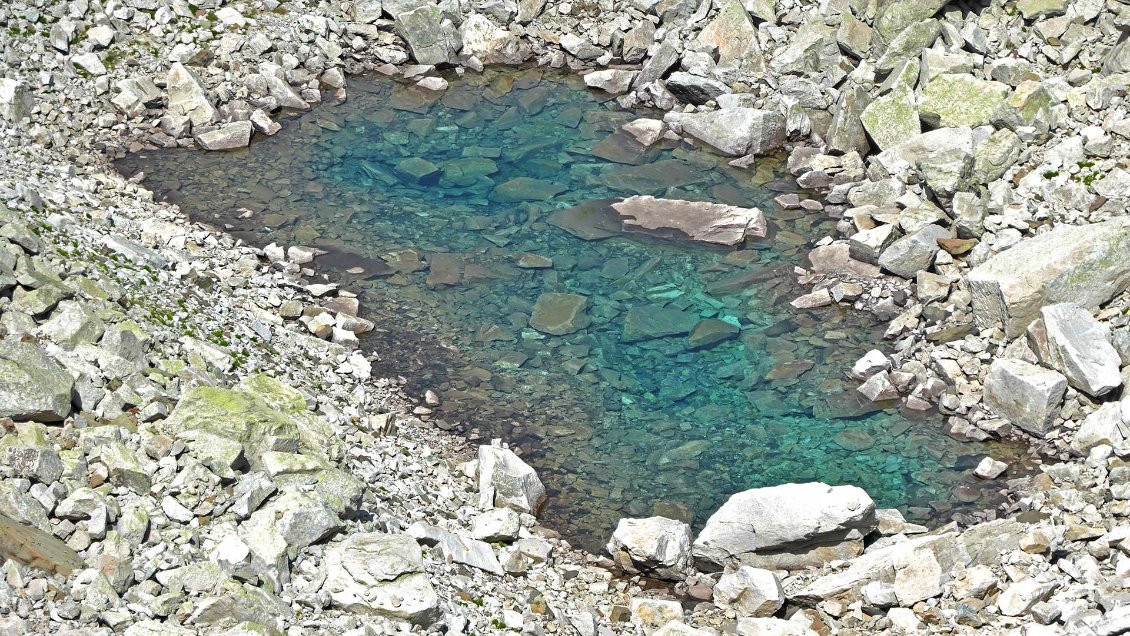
(1079, 346)
(614, 81)
(655, 546)
(381, 574)
(187, 96)
(490, 43)
(750, 591)
(15, 101)
(734, 131)
(432, 38)
(697, 220)
(781, 519)
(733, 34)
(1085, 265)
(507, 481)
(32, 385)
(1027, 395)
(560, 314)
(1110, 424)
(37, 548)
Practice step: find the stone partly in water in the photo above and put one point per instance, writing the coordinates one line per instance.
(632, 415)
(1085, 265)
(695, 220)
(734, 131)
(756, 525)
(507, 481)
(655, 546)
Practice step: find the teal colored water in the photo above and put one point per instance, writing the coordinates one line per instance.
(412, 194)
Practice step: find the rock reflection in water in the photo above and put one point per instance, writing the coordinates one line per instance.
(686, 378)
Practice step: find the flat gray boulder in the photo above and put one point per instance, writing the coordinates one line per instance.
(506, 481)
(655, 546)
(783, 519)
(1080, 347)
(1083, 264)
(375, 573)
(32, 385)
(1025, 394)
(734, 131)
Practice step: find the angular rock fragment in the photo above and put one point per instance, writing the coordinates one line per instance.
(655, 546)
(507, 481)
(1027, 395)
(381, 574)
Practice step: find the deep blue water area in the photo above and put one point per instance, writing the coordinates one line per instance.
(439, 209)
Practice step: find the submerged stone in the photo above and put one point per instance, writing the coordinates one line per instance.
(525, 189)
(560, 314)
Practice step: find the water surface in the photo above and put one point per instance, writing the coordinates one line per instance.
(400, 185)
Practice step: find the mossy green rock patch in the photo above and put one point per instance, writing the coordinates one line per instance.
(892, 118)
(261, 413)
(1033, 9)
(954, 99)
(32, 385)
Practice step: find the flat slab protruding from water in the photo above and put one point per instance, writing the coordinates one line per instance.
(698, 220)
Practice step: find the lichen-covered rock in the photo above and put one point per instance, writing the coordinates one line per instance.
(655, 546)
(32, 385)
(734, 36)
(261, 413)
(430, 36)
(959, 99)
(381, 574)
(1085, 265)
(892, 118)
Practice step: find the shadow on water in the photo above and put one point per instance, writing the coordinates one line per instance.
(445, 211)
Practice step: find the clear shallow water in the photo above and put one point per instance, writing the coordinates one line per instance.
(614, 428)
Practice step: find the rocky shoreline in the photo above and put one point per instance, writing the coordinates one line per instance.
(194, 444)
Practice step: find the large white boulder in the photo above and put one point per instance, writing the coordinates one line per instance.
(15, 101)
(1079, 346)
(793, 518)
(655, 546)
(1110, 425)
(1083, 264)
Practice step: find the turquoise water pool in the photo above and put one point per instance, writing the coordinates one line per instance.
(439, 209)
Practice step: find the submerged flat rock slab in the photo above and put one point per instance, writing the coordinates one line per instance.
(591, 220)
(560, 314)
(1085, 265)
(647, 322)
(696, 220)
